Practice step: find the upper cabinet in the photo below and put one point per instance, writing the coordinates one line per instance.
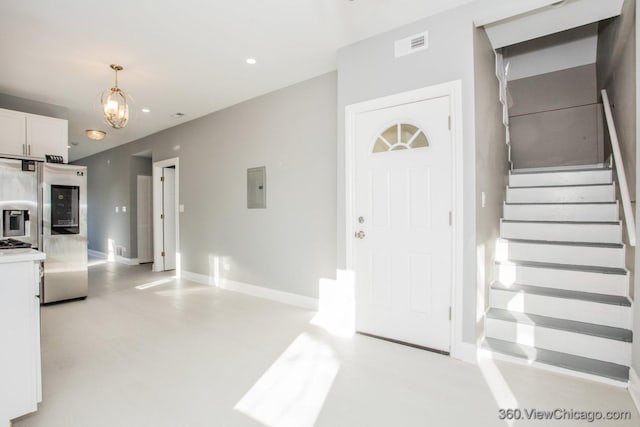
(26, 135)
(13, 133)
(46, 135)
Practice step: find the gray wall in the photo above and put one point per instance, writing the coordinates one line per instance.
(617, 74)
(491, 162)
(34, 107)
(555, 119)
(368, 70)
(108, 186)
(137, 166)
(290, 245)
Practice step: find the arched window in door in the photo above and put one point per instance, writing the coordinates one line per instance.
(401, 136)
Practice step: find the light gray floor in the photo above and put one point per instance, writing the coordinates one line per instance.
(183, 354)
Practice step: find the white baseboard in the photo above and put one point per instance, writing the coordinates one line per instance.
(203, 279)
(634, 387)
(97, 254)
(119, 259)
(253, 290)
(465, 351)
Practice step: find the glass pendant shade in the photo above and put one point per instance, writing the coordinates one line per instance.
(115, 108)
(114, 104)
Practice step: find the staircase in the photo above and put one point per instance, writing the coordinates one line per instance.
(560, 298)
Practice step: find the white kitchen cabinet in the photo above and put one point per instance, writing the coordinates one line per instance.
(20, 374)
(46, 135)
(26, 135)
(13, 126)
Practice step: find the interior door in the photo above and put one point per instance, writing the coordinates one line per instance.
(144, 219)
(403, 240)
(169, 217)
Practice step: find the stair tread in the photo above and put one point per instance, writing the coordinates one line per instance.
(562, 360)
(536, 221)
(565, 294)
(558, 170)
(599, 184)
(608, 332)
(585, 268)
(563, 243)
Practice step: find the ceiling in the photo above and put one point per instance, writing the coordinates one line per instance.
(186, 56)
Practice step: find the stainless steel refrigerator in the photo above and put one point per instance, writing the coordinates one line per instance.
(19, 208)
(64, 232)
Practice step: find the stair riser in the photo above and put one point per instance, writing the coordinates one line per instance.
(594, 212)
(561, 254)
(603, 193)
(601, 233)
(562, 308)
(560, 178)
(599, 283)
(557, 340)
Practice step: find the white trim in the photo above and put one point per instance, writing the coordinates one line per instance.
(117, 258)
(127, 261)
(158, 264)
(634, 387)
(458, 348)
(508, 10)
(97, 254)
(253, 290)
(466, 352)
(488, 354)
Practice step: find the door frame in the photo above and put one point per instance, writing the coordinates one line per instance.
(158, 229)
(453, 89)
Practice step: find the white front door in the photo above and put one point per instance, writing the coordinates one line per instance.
(169, 217)
(403, 242)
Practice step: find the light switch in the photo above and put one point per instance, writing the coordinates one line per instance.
(117, 209)
(124, 209)
(181, 208)
(484, 199)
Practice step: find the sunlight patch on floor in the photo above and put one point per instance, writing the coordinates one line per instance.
(293, 390)
(96, 261)
(500, 390)
(155, 283)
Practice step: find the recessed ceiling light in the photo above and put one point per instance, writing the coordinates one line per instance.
(177, 115)
(146, 110)
(251, 61)
(94, 134)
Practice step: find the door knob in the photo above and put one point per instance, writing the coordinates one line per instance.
(360, 234)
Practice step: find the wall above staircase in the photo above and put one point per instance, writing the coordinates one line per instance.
(556, 119)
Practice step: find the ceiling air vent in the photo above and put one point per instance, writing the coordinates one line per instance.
(412, 44)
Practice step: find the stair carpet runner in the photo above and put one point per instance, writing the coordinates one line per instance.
(561, 290)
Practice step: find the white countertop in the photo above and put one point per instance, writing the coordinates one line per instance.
(20, 255)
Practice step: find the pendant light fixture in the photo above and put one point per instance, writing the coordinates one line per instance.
(114, 103)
